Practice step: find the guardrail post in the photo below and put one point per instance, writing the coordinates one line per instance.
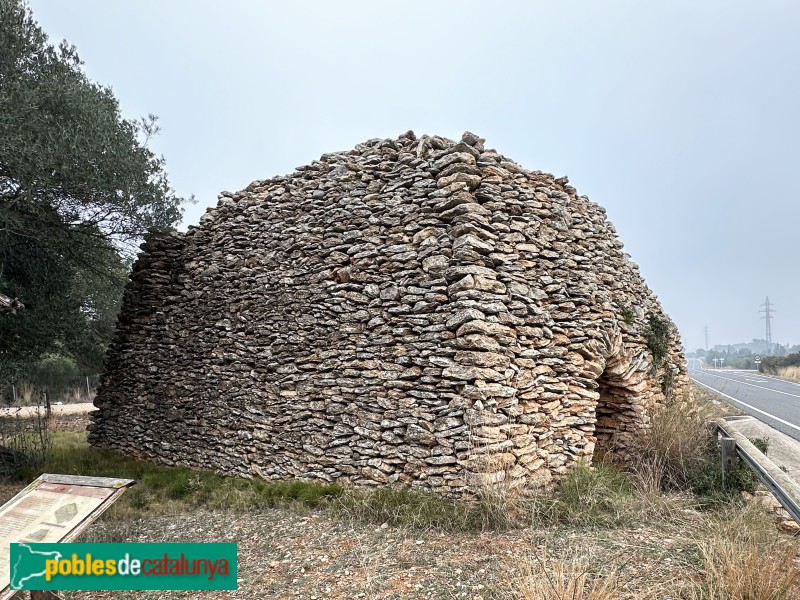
(782, 487)
(730, 458)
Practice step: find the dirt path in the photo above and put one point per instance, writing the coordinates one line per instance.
(58, 410)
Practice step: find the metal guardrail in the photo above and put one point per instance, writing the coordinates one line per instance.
(782, 487)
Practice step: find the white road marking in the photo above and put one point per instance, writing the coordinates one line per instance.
(750, 406)
(755, 386)
(779, 379)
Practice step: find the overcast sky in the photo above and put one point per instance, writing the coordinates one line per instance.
(681, 118)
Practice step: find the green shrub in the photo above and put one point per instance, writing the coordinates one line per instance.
(667, 382)
(54, 373)
(680, 453)
(657, 335)
(626, 312)
(761, 443)
(601, 495)
(773, 364)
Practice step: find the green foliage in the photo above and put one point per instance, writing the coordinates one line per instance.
(761, 443)
(773, 364)
(667, 382)
(591, 496)
(78, 190)
(626, 312)
(741, 359)
(713, 486)
(54, 373)
(161, 488)
(657, 335)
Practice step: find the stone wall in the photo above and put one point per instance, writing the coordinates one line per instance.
(413, 311)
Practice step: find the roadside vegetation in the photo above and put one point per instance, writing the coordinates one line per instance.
(790, 373)
(744, 358)
(785, 367)
(590, 537)
(781, 365)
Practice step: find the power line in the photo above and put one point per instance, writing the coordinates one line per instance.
(768, 310)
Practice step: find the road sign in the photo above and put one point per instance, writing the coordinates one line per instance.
(757, 359)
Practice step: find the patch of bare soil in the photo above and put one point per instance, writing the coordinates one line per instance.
(287, 554)
(70, 421)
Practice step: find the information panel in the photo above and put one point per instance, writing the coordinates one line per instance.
(54, 508)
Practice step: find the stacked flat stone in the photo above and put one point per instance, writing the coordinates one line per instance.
(413, 311)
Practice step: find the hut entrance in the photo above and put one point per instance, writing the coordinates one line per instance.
(616, 410)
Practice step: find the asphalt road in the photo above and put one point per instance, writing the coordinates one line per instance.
(773, 401)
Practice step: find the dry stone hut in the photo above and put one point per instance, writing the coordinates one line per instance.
(413, 311)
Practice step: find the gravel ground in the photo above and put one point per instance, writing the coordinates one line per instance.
(284, 553)
(296, 553)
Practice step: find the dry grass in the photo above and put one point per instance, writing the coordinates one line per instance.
(669, 454)
(502, 502)
(711, 405)
(502, 505)
(733, 553)
(75, 394)
(746, 559)
(679, 454)
(399, 507)
(25, 440)
(26, 394)
(792, 373)
(568, 580)
(597, 496)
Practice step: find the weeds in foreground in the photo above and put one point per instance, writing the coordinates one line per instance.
(745, 559)
(597, 496)
(738, 555)
(736, 552)
(672, 454)
(399, 507)
(791, 373)
(679, 453)
(25, 440)
(502, 505)
(571, 579)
